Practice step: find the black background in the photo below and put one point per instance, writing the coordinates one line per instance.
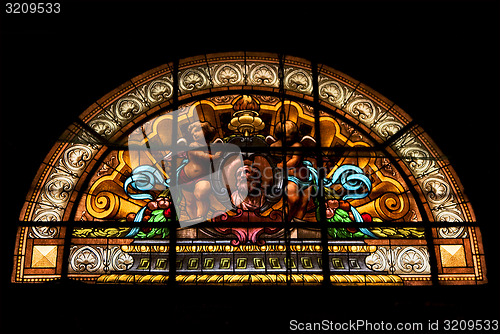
(438, 60)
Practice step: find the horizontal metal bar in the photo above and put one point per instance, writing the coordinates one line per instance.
(335, 151)
(296, 224)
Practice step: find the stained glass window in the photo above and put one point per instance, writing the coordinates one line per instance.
(247, 169)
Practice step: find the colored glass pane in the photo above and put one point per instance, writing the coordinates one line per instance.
(247, 169)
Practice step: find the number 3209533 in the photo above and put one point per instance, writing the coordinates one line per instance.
(32, 8)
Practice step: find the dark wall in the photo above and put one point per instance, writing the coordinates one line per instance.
(438, 60)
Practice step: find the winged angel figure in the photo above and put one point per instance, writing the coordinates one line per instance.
(303, 179)
(200, 155)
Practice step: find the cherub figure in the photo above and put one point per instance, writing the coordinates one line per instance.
(193, 178)
(300, 182)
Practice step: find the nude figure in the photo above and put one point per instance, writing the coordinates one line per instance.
(298, 188)
(194, 176)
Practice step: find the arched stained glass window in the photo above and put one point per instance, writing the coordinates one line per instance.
(247, 168)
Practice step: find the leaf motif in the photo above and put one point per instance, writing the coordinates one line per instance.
(157, 216)
(341, 216)
(81, 232)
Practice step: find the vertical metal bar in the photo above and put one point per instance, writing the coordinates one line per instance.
(284, 208)
(172, 254)
(432, 254)
(321, 175)
(66, 252)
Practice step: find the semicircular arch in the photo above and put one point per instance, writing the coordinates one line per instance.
(384, 130)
